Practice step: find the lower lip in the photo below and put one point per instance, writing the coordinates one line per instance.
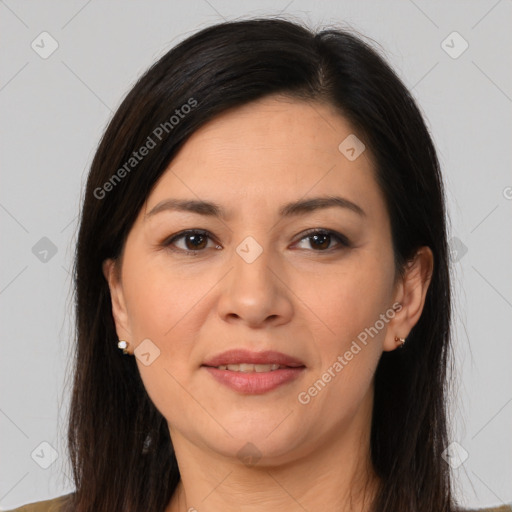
(254, 383)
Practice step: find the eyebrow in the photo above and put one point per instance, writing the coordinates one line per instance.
(300, 207)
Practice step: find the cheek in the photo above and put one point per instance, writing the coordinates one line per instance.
(349, 307)
(349, 301)
(158, 299)
(349, 304)
(160, 305)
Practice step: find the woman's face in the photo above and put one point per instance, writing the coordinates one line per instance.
(275, 270)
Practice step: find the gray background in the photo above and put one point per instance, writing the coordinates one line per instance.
(53, 112)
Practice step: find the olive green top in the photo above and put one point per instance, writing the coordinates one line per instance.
(56, 504)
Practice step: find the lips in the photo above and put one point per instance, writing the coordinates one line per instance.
(253, 372)
(241, 356)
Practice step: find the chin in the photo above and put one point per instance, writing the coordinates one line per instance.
(257, 442)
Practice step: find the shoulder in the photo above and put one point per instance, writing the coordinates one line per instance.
(503, 508)
(53, 505)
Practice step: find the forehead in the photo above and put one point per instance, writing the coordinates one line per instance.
(269, 152)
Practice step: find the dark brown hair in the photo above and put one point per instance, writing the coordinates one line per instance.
(120, 448)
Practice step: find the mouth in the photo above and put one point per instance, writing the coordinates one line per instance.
(247, 360)
(251, 368)
(253, 372)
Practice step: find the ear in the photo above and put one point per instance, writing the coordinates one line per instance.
(113, 276)
(411, 291)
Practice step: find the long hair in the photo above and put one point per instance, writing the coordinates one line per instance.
(121, 452)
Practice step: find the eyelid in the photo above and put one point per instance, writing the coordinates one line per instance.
(342, 239)
(168, 242)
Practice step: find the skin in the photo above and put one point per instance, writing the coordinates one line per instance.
(296, 297)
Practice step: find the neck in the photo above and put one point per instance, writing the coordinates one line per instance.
(336, 476)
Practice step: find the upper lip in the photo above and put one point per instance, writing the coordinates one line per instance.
(238, 356)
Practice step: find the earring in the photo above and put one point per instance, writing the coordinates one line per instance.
(401, 340)
(123, 345)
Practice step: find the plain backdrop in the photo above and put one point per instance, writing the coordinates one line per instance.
(454, 56)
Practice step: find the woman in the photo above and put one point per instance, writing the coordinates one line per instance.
(262, 286)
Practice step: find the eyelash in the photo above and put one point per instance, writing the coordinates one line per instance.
(341, 239)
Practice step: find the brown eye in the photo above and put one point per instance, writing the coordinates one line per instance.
(195, 241)
(321, 240)
(190, 242)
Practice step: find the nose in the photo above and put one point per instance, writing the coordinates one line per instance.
(255, 293)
